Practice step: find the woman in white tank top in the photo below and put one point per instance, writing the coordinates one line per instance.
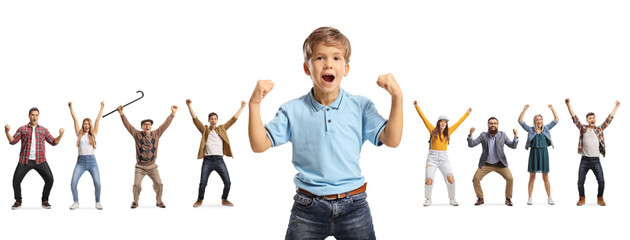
(86, 142)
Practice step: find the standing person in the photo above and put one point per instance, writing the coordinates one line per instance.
(438, 156)
(327, 128)
(86, 142)
(32, 155)
(538, 138)
(493, 158)
(590, 146)
(214, 144)
(146, 152)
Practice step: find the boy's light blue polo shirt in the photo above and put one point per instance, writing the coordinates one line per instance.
(327, 140)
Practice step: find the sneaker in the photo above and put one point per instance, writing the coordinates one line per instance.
(427, 202)
(453, 202)
(75, 205)
(198, 203)
(46, 205)
(550, 201)
(98, 206)
(225, 202)
(16, 205)
(529, 201)
(134, 205)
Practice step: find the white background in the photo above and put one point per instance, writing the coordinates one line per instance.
(494, 56)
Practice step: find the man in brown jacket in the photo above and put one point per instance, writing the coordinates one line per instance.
(146, 152)
(214, 144)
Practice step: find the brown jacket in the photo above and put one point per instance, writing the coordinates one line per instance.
(221, 131)
(147, 145)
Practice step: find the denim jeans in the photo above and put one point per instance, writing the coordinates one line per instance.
(214, 163)
(318, 218)
(86, 163)
(20, 172)
(591, 163)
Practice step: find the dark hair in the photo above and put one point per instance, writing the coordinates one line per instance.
(436, 132)
(32, 109)
(146, 120)
(590, 114)
(494, 119)
(213, 114)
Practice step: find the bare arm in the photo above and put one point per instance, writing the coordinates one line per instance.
(520, 117)
(98, 118)
(238, 113)
(392, 133)
(57, 139)
(615, 109)
(76, 123)
(192, 113)
(555, 116)
(258, 139)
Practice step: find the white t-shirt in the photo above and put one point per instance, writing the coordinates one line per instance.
(590, 144)
(84, 146)
(214, 144)
(32, 155)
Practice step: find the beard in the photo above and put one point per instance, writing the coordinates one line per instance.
(493, 130)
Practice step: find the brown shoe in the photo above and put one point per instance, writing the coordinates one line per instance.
(134, 205)
(160, 205)
(600, 201)
(581, 201)
(198, 203)
(508, 202)
(225, 202)
(479, 201)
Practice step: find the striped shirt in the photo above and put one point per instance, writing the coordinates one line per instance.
(25, 133)
(599, 131)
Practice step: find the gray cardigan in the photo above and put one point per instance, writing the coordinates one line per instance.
(484, 139)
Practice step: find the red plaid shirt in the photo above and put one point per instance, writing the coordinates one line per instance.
(599, 131)
(25, 133)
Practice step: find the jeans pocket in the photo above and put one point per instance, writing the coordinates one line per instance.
(359, 199)
(303, 201)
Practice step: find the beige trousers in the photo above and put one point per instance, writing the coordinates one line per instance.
(498, 168)
(152, 172)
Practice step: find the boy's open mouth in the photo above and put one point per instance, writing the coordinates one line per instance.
(329, 78)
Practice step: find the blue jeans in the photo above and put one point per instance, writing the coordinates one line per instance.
(591, 163)
(214, 163)
(317, 218)
(86, 163)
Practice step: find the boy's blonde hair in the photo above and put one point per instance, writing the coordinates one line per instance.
(328, 36)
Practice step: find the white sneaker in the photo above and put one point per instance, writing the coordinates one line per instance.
(550, 201)
(453, 202)
(99, 206)
(529, 201)
(427, 202)
(74, 206)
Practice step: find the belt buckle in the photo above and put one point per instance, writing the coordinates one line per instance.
(334, 196)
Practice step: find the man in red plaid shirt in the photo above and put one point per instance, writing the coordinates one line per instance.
(32, 155)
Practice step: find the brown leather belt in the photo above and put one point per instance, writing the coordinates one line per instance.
(337, 196)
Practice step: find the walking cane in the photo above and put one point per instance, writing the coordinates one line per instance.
(127, 103)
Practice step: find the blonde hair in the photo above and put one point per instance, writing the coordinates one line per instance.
(328, 36)
(91, 137)
(541, 118)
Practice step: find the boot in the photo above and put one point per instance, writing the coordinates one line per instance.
(581, 201)
(600, 201)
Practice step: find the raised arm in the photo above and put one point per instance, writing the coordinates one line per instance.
(612, 114)
(125, 122)
(192, 113)
(514, 142)
(238, 113)
(98, 119)
(555, 115)
(58, 138)
(258, 139)
(427, 124)
(568, 101)
(452, 129)
(520, 117)
(392, 133)
(471, 142)
(77, 128)
(167, 122)
(7, 128)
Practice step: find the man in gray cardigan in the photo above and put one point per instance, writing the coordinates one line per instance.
(493, 158)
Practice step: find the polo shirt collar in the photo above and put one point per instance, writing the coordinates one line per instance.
(317, 106)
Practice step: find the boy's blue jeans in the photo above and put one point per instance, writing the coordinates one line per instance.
(317, 218)
(86, 163)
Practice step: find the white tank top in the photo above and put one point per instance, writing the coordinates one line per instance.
(84, 146)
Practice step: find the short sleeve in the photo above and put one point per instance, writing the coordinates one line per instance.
(373, 123)
(278, 128)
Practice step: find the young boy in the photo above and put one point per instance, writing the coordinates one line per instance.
(327, 127)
